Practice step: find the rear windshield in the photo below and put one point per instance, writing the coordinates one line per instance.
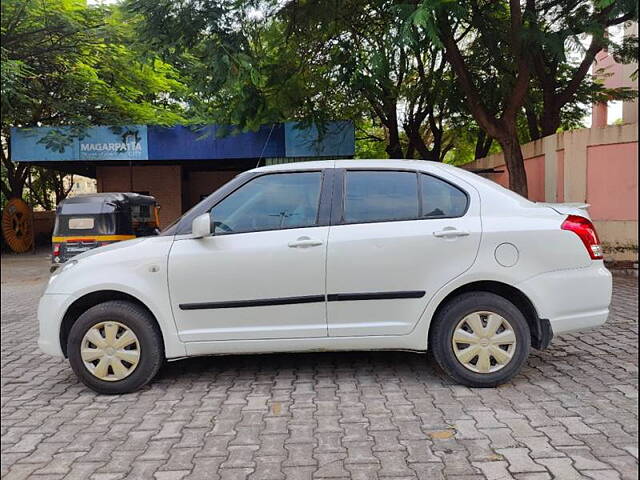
(83, 225)
(93, 208)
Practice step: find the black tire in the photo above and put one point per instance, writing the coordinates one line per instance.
(143, 326)
(458, 308)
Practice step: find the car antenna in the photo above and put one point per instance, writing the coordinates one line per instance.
(273, 125)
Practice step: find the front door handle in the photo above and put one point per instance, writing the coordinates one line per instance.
(451, 233)
(304, 242)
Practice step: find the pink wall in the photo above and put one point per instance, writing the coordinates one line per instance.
(535, 178)
(560, 176)
(598, 166)
(612, 181)
(534, 167)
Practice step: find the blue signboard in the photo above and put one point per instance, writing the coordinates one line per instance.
(114, 143)
(214, 142)
(209, 142)
(43, 144)
(78, 143)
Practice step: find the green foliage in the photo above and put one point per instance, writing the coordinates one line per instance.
(245, 63)
(370, 141)
(561, 60)
(359, 60)
(627, 52)
(66, 62)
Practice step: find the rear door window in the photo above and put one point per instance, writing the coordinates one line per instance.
(379, 196)
(441, 199)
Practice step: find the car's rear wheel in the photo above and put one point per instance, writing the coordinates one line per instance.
(480, 339)
(115, 347)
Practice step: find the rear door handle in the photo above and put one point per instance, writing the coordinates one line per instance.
(304, 242)
(451, 233)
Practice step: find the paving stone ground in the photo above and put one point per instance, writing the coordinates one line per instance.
(571, 413)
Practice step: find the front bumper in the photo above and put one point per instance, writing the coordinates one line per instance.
(571, 299)
(50, 313)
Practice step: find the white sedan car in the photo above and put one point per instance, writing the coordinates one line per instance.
(334, 255)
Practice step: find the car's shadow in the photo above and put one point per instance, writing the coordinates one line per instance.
(405, 365)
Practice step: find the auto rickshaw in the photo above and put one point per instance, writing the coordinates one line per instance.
(93, 220)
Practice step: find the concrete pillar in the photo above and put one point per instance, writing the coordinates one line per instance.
(630, 107)
(549, 146)
(599, 115)
(575, 165)
(630, 111)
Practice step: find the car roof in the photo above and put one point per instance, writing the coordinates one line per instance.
(351, 163)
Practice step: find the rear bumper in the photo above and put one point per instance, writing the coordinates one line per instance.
(571, 299)
(50, 313)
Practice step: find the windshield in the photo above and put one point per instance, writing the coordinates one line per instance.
(203, 206)
(171, 228)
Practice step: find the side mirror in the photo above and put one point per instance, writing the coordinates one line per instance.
(201, 226)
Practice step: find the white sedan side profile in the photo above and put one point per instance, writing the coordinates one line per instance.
(334, 255)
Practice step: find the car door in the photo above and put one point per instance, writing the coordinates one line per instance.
(396, 238)
(261, 275)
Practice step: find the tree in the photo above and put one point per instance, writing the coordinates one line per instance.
(559, 27)
(526, 40)
(218, 48)
(49, 187)
(429, 73)
(69, 63)
(501, 31)
(303, 61)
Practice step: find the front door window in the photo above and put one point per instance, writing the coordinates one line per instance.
(270, 202)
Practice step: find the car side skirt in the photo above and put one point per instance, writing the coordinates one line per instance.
(317, 344)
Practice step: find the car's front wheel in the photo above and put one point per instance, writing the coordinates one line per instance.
(115, 347)
(480, 339)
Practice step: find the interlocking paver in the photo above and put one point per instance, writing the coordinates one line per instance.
(520, 461)
(571, 413)
(494, 470)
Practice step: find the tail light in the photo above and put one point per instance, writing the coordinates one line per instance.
(586, 231)
(102, 244)
(56, 249)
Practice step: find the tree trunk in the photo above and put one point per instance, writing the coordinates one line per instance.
(62, 190)
(411, 151)
(550, 121)
(417, 143)
(437, 144)
(394, 149)
(15, 181)
(532, 122)
(483, 145)
(515, 164)
(503, 129)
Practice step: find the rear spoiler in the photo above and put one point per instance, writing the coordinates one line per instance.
(571, 208)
